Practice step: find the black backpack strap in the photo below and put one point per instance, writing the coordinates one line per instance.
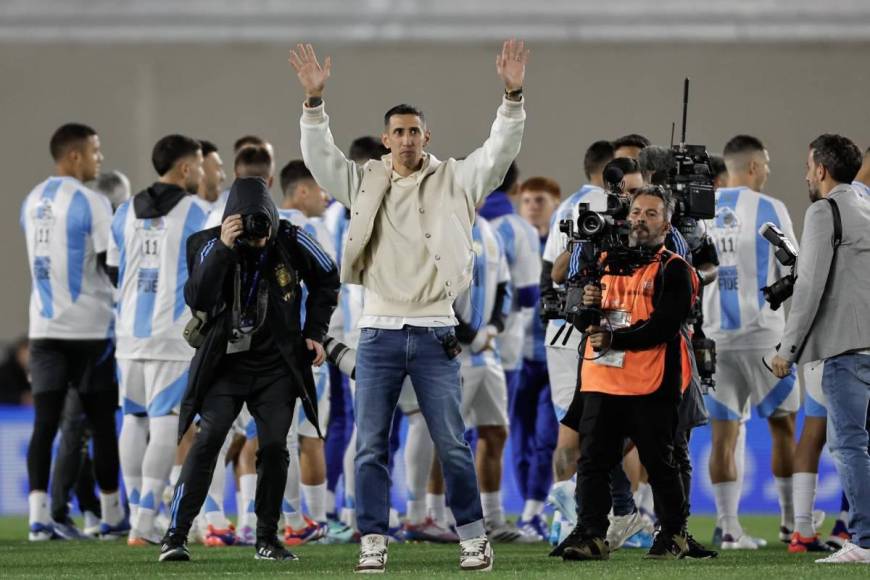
(837, 238)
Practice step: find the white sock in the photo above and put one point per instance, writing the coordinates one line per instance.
(493, 513)
(643, 497)
(156, 467)
(786, 503)
(152, 490)
(394, 521)
(248, 487)
(132, 443)
(727, 499)
(531, 509)
(416, 511)
(292, 505)
(239, 505)
(174, 474)
(330, 502)
(39, 512)
(844, 517)
(315, 499)
(419, 451)
(110, 506)
(214, 502)
(804, 491)
(436, 505)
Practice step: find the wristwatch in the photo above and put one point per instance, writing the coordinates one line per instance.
(514, 95)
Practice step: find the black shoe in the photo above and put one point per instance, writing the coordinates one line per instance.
(572, 539)
(668, 547)
(174, 549)
(697, 551)
(587, 549)
(273, 550)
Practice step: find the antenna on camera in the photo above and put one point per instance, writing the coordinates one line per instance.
(673, 128)
(685, 109)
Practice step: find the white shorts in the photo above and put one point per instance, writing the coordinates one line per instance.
(244, 424)
(152, 387)
(743, 379)
(321, 382)
(562, 365)
(815, 404)
(484, 396)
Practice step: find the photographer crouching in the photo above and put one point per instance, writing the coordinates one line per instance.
(828, 321)
(632, 376)
(251, 348)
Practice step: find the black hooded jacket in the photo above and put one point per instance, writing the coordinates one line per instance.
(209, 289)
(157, 201)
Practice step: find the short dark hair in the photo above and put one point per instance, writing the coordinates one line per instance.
(403, 109)
(67, 136)
(542, 184)
(168, 150)
(717, 165)
(659, 192)
(207, 147)
(246, 141)
(291, 174)
(256, 159)
(742, 144)
(510, 178)
(597, 156)
(631, 140)
(625, 164)
(365, 148)
(838, 155)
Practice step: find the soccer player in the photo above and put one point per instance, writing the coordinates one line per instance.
(563, 342)
(523, 253)
(743, 325)
(66, 226)
(213, 175)
(304, 200)
(629, 146)
(147, 246)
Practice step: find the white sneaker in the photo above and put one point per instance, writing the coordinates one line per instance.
(503, 532)
(476, 554)
(372, 554)
(92, 524)
(622, 528)
(849, 554)
(744, 542)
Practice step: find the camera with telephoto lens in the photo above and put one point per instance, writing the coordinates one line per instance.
(786, 254)
(256, 226)
(340, 355)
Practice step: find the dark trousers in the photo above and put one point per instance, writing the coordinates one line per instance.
(270, 400)
(533, 429)
(88, 367)
(339, 428)
(650, 421)
(73, 469)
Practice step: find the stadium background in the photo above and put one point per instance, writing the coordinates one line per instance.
(784, 70)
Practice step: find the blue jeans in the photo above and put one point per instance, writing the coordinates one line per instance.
(384, 358)
(846, 384)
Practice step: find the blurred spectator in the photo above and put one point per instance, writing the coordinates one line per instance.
(14, 379)
(114, 185)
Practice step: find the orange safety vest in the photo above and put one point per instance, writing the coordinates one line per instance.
(642, 371)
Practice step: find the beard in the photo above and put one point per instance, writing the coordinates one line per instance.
(815, 193)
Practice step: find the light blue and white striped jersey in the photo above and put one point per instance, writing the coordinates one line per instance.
(862, 188)
(151, 257)
(534, 343)
(475, 305)
(344, 324)
(557, 244)
(66, 225)
(736, 315)
(522, 250)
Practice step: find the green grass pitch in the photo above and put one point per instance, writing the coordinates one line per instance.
(19, 559)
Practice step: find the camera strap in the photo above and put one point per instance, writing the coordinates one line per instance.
(837, 238)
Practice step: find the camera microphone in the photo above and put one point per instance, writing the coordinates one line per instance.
(613, 177)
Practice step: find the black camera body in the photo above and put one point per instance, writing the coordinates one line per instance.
(786, 254)
(256, 226)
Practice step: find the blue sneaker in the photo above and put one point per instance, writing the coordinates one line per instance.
(67, 530)
(338, 533)
(41, 532)
(642, 539)
(113, 532)
(535, 528)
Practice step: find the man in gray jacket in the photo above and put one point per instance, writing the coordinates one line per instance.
(830, 320)
(409, 245)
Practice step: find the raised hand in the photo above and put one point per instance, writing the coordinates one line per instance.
(311, 75)
(511, 64)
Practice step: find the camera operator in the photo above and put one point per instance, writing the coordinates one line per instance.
(631, 380)
(828, 320)
(252, 349)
